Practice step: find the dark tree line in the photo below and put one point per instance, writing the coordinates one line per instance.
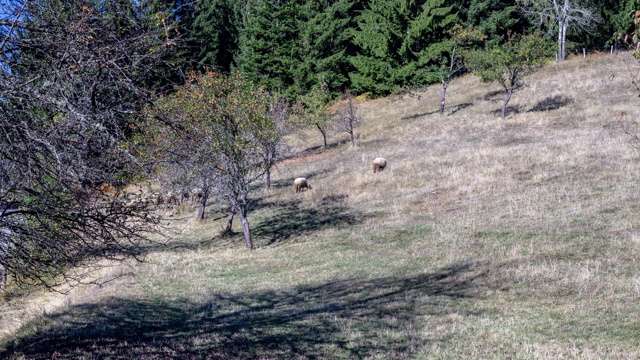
(373, 46)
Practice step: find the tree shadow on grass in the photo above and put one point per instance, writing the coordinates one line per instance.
(551, 103)
(511, 110)
(450, 110)
(288, 182)
(291, 219)
(494, 95)
(387, 317)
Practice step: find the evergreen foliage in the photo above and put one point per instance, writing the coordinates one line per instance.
(619, 22)
(494, 18)
(381, 28)
(269, 45)
(326, 43)
(509, 63)
(374, 46)
(398, 40)
(175, 18)
(214, 33)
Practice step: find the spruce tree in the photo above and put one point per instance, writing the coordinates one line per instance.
(269, 44)
(326, 43)
(381, 28)
(175, 18)
(428, 42)
(399, 40)
(215, 31)
(494, 18)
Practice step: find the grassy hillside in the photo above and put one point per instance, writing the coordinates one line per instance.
(484, 238)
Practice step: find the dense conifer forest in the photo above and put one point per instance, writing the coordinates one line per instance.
(369, 46)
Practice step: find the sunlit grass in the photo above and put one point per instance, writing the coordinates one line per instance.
(484, 238)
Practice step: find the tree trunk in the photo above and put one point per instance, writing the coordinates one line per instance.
(3, 277)
(228, 229)
(506, 101)
(267, 174)
(203, 204)
(445, 84)
(324, 134)
(353, 140)
(559, 52)
(269, 156)
(562, 38)
(245, 229)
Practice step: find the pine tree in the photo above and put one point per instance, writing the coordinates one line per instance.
(269, 44)
(326, 43)
(399, 40)
(215, 32)
(381, 28)
(494, 18)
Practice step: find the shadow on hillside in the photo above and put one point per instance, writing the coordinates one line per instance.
(449, 110)
(494, 95)
(389, 317)
(291, 219)
(551, 103)
(288, 182)
(314, 150)
(511, 110)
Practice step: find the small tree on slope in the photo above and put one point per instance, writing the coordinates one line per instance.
(508, 64)
(218, 125)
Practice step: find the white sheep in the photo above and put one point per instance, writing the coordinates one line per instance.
(301, 183)
(379, 164)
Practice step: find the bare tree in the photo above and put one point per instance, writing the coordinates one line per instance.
(559, 15)
(72, 75)
(348, 116)
(219, 125)
(460, 38)
(316, 104)
(272, 137)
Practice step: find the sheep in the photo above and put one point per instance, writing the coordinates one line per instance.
(379, 164)
(139, 203)
(158, 200)
(171, 199)
(196, 195)
(301, 183)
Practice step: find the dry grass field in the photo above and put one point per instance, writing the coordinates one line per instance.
(484, 238)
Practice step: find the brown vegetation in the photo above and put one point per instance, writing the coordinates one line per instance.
(488, 238)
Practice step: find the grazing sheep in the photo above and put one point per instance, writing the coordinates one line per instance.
(158, 200)
(301, 183)
(379, 164)
(171, 199)
(196, 195)
(139, 203)
(184, 197)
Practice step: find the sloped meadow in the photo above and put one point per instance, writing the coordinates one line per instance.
(483, 238)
